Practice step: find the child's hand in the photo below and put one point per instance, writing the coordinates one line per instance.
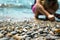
(51, 17)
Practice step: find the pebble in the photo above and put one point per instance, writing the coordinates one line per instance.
(17, 37)
(28, 38)
(51, 33)
(1, 35)
(58, 26)
(50, 39)
(57, 30)
(35, 35)
(9, 35)
(27, 30)
(24, 30)
(13, 32)
(4, 38)
(4, 28)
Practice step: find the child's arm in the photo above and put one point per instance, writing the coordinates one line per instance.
(45, 12)
(42, 8)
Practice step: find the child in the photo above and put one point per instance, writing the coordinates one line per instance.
(45, 7)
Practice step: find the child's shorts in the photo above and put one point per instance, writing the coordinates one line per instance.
(33, 8)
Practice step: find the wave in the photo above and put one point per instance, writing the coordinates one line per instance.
(20, 5)
(14, 5)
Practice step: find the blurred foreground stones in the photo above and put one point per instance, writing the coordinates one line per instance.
(30, 30)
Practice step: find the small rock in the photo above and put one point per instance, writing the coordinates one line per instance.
(50, 39)
(41, 32)
(29, 33)
(4, 38)
(28, 38)
(35, 35)
(24, 30)
(17, 37)
(9, 35)
(58, 26)
(57, 30)
(13, 32)
(4, 28)
(1, 35)
(51, 33)
(5, 32)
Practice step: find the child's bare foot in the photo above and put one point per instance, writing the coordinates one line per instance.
(51, 17)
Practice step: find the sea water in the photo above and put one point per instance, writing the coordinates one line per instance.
(17, 9)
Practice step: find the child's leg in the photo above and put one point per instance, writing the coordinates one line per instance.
(50, 17)
(36, 12)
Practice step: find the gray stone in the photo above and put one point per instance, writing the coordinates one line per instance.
(28, 38)
(13, 32)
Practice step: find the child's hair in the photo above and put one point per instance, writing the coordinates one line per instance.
(33, 4)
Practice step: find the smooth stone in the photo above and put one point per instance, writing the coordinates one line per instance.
(2, 31)
(24, 30)
(46, 29)
(57, 30)
(1, 35)
(17, 37)
(41, 32)
(4, 28)
(5, 32)
(42, 26)
(13, 32)
(40, 29)
(19, 32)
(35, 35)
(52, 33)
(28, 38)
(9, 35)
(1, 25)
(35, 30)
(50, 39)
(50, 36)
(28, 33)
(4, 38)
(11, 39)
(12, 28)
(53, 29)
(58, 26)
(23, 33)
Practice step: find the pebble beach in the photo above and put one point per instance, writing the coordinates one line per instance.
(17, 22)
(29, 29)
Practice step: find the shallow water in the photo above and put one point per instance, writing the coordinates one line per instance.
(20, 9)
